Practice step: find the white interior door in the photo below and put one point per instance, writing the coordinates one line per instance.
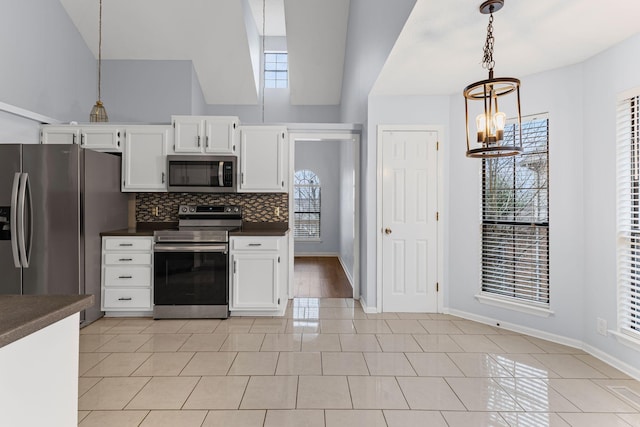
(409, 224)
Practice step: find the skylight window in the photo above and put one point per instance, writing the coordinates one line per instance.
(276, 70)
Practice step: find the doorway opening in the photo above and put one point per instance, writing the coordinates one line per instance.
(323, 214)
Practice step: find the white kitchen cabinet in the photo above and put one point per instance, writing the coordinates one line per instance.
(95, 137)
(205, 134)
(258, 274)
(144, 160)
(127, 275)
(263, 159)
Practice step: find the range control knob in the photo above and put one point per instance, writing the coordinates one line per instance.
(227, 209)
(184, 209)
(192, 209)
(236, 209)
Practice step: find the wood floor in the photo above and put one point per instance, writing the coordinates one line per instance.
(317, 277)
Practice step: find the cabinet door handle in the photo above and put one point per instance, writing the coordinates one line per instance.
(126, 244)
(234, 266)
(254, 244)
(83, 139)
(163, 177)
(206, 141)
(198, 139)
(125, 277)
(242, 177)
(73, 138)
(125, 259)
(124, 299)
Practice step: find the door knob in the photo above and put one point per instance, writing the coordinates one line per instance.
(387, 231)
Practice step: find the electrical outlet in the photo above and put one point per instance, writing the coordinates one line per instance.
(602, 326)
(156, 211)
(276, 212)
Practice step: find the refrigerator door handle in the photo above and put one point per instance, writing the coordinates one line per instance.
(22, 194)
(14, 220)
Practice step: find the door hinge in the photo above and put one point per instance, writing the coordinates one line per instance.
(437, 145)
(437, 286)
(437, 216)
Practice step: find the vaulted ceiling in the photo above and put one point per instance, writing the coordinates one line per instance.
(438, 51)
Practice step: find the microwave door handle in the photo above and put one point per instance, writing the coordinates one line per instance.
(220, 174)
(13, 218)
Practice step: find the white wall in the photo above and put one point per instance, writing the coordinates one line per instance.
(373, 27)
(347, 206)
(323, 158)
(395, 110)
(47, 67)
(605, 76)
(580, 100)
(146, 91)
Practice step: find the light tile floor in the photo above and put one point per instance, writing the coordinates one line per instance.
(327, 363)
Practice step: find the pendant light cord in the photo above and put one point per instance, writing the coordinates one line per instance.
(100, 52)
(264, 12)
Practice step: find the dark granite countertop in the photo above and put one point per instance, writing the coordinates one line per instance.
(262, 229)
(247, 229)
(142, 229)
(22, 315)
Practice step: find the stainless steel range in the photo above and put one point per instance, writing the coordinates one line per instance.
(191, 263)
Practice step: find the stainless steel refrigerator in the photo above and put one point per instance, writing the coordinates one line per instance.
(54, 202)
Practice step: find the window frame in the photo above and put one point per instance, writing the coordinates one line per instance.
(317, 201)
(530, 291)
(277, 72)
(628, 214)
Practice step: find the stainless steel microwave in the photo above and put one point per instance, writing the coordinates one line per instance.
(201, 174)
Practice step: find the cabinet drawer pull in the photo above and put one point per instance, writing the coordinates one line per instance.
(125, 259)
(124, 299)
(125, 277)
(125, 244)
(254, 244)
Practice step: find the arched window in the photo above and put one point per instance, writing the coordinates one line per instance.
(306, 199)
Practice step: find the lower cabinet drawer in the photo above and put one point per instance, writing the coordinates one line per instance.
(138, 299)
(127, 276)
(127, 259)
(255, 244)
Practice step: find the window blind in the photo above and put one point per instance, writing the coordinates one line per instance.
(515, 217)
(628, 195)
(306, 203)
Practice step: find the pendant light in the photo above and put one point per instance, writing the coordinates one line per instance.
(490, 123)
(98, 112)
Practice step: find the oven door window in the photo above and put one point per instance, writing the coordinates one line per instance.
(191, 278)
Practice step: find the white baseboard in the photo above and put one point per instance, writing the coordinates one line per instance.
(559, 339)
(366, 309)
(315, 254)
(346, 272)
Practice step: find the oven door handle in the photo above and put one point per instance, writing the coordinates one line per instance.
(190, 248)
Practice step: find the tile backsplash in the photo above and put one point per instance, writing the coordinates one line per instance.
(256, 207)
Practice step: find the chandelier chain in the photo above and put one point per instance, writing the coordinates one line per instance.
(487, 61)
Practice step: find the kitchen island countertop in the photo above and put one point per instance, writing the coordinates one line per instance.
(22, 315)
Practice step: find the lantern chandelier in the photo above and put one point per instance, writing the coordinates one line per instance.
(98, 112)
(490, 123)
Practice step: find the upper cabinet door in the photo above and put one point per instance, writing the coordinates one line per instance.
(188, 134)
(144, 160)
(60, 135)
(205, 134)
(101, 138)
(221, 135)
(262, 159)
